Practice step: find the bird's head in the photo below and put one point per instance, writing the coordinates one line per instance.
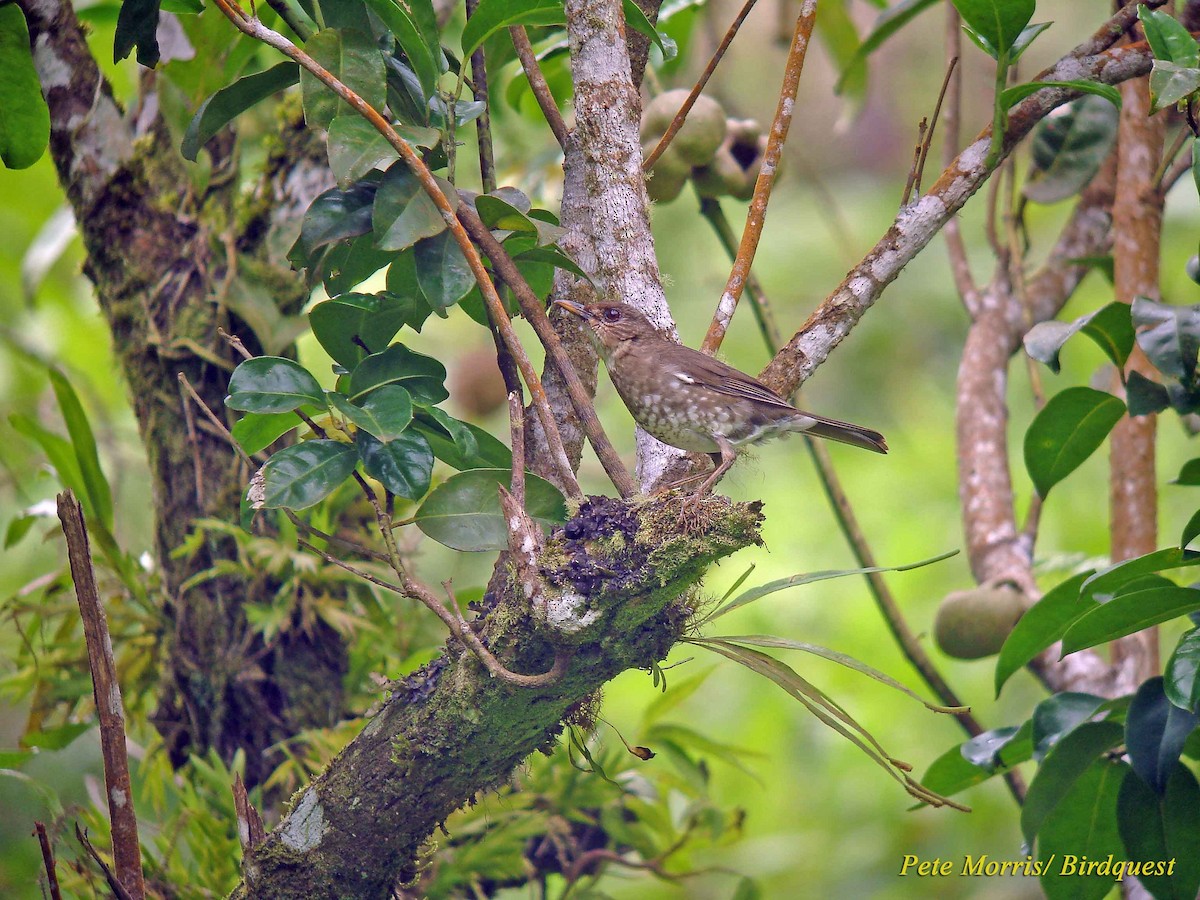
(613, 324)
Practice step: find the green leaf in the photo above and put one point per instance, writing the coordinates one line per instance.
(137, 26)
(443, 273)
(636, 20)
(349, 323)
(771, 587)
(1158, 829)
(1000, 748)
(1168, 37)
(305, 474)
(404, 465)
(1083, 824)
(83, 442)
(258, 431)
(1107, 582)
(1143, 396)
(951, 773)
(492, 15)
(56, 738)
(1013, 95)
(17, 528)
(1190, 531)
(24, 116)
(334, 216)
(354, 58)
(1042, 624)
(468, 447)
(890, 21)
(355, 148)
(1066, 431)
(60, 454)
(1180, 681)
(385, 413)
(1059, 715)
(1129, 613)
(424, 52)
(1110, 327)
(345, 267)
(1027, 36)
(1155, 730)
(556, 258)
(497, 212)
(1063, 766)
(1169, 336)
(1170, 83)
(999, 22)
(422, 376)
(1068, 147)
(403, 212)
(1190, 473)
(464, 511)
(230, 102)
(272, 384)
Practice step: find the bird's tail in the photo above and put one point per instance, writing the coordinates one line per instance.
(844, 432)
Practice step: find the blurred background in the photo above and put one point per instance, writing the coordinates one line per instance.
(820, 819)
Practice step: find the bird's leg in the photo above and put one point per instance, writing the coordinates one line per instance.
(722, 461)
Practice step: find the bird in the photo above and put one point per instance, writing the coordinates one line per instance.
(692, 401)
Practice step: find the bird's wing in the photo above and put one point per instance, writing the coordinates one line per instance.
(725, 379)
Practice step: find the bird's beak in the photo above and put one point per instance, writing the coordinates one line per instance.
(577, 308)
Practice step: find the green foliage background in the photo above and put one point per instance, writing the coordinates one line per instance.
(819, 819)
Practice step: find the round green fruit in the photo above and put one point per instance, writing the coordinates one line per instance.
(702, 131)
(974, 624)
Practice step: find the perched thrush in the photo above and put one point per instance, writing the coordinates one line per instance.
(695, 402)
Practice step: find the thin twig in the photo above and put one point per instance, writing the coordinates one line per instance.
(48, 861)
(251, 832)
(119, 890)
(214, 419)
(681, 116)
(483, 125)
(127, 854)
(537, 84)
(535, 313)
(757, 215)
(255, 29)
(909, 184)
(937, 111)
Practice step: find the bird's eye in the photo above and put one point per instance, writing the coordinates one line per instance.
(612, 314)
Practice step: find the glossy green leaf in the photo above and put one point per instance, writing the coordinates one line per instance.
(1058, 716)
(1082, 824)
(385, 413)
(272, 384)
(404, 21)
(1191, 530)
(999, 22)
(1110, 327)
(343, 268)
(403, 465)
(83, 443)
(354, 58)
(1189, 474)
(258, 431)
(1169, 336)
(1180, 680)
(403, 212)
(636, 20)
(1107, 582)
(1042, 624)
(1062, 767)
(464, 511)
(951, 773)
(1158, 829)
(1170, 83)
(1027, 36)
(352, 326)
(60, 454)
(1129, 613)
(1015, 94)
(491, 15)
(1168, 38)
(890, 21)
(422, 376)
(1000, 748)
(1143, 396)
(304, 474)
(1066, 431)
(334, 216)
(468, 448)
(230, 102)
(1068, 147)
(1155, 729)
(137, 26)
(24, 116)
(556, 258)
(355, 147)
(443, 273)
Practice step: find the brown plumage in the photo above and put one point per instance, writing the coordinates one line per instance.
(692, 401)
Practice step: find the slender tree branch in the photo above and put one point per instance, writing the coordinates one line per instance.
(127, 854)
(52, 887)
(681, 116)
(757, 216)
(255, 29)
(483, 125)
(537, 84)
